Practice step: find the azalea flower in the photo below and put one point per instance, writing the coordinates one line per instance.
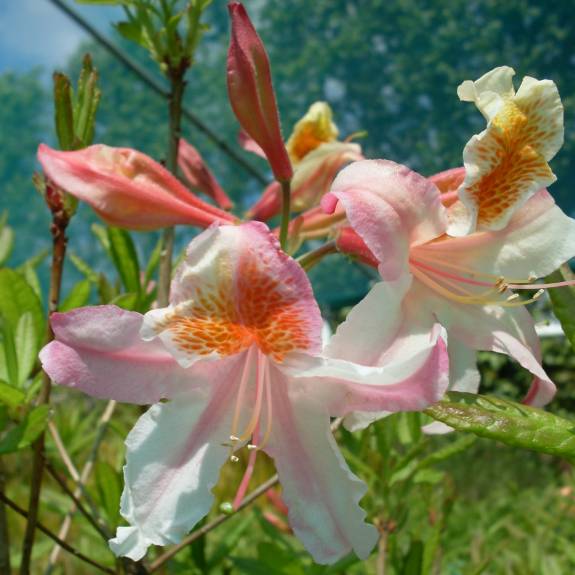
(199, 176)
(508, 162)
(237, 356)
(127, 188)
(316, 156)
(399, 224)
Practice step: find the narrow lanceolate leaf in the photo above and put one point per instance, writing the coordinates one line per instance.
(506, 421)
(125, 258)
(6, 241)
(78, 296)
(10, 395)
(563, 301)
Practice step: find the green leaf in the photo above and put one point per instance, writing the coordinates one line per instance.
(563, 301)
(109, 490)
(8, 356)
(153, 262)
(10, 395)
(6, 241)
(100, 232)
(26, 431)
(88, 272)
(63, 111)
(126, 301)
(506, 421)
(125, 258)
(78, 296)
(229, 540)
(26, 346)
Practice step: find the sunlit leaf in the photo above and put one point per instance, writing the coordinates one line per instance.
(563, 301)
(506, 421)
(10, 395)
(23, 434)
(78, 296)
(125, 258)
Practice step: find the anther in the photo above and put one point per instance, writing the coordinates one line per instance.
(532, 277)
(501, 287)
(234, 458)
(234, 438)
(513, 297)
(251, 446)
(538, 294)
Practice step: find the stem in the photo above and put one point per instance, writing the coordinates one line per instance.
(60, 222)
(223, 516)
(310, 259)
(67, 547)
(4, 531)
(83, 479)
(286, 200)
(178, 85)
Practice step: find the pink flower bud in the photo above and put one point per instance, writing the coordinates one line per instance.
(127, 188)
(251, 91)
(198, 175)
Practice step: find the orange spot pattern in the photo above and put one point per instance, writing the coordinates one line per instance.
(227, 319)
(509, 160)
(307, 139)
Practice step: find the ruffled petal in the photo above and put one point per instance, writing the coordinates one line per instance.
(538, 239)
(320, 491)
(174, 455)
(99, 350)
(492, 328)
(235, 288)
(390, 207)
(507, 163)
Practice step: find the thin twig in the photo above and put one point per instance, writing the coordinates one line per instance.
(60, 220)
(4, 531)
(67, 547)
(222, 517)
(178, 86)
(79, 505)
(151, 82)
(313, 257)
(83, 479)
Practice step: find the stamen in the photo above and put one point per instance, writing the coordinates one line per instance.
(251, 426)
(543, 286)
(234, 458)
(234, 438)
(241, 392)
(449, 275)
(268, 394)
(245, 482)
(513, 297)
(251, 446)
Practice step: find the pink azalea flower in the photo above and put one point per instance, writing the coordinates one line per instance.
(251, 91)
(237, 353)
(399, 223)
(199, 176)
(127, 188)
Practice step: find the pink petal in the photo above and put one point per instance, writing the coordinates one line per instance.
(99, 350)
(537, 240)
(236, 288)
(250, 145)
(321, 493)
(127, 188)
(390, 207)
(174, 455)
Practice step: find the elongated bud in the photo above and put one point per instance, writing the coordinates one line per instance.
(199, 176)
(127, 188)
(251, 91)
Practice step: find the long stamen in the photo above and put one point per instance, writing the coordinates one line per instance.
(244, 484)
(461, 279)
(239, 400)
(247, 433)
(465, 270)
(542, 286)
(268, 394)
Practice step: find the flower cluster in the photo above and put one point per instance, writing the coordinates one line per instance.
(236, 360)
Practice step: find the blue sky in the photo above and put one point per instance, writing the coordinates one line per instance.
(36, 33)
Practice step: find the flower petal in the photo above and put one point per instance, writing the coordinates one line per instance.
(508, 162)
(320, 491)
(390, 207)
(537, 240)
(127, 188)
(174, 455)
(235, 288)
(199, 176)
(99, 350)
(492, 328)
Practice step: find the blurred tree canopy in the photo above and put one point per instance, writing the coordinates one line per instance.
(391, 68)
